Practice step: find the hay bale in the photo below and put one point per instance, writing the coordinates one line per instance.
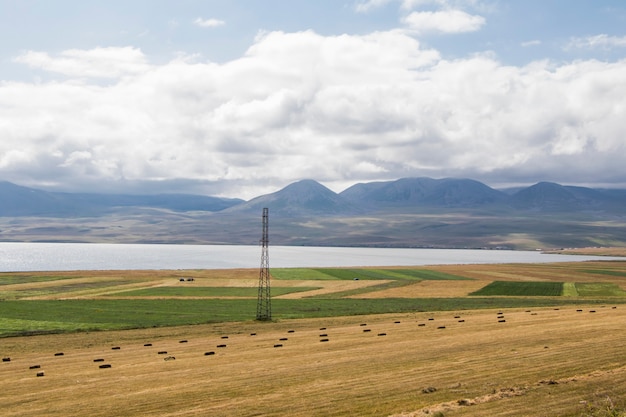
(429, 390)
(461, 321)
(6, 359)
(363, 324)
(323, 335)
(322, 328)
(421, 324)
(183, 341)
(502, 321)
(396, 322)
(324, 340)
(224, 337)
(98, 360)
(209, 353)
(592, 311)
(169, 358)
(457, 317)
(34, 367)
(579, 310)
(382, 334)
(58, 354)
(278, 345)
(441, 327)
(291, 331)
(283, 338)
(148, 344)
(115, 348)
(252, 334)
(162, 352)
(221, 346)
(40, 374)
(367, 330)
(105, 366)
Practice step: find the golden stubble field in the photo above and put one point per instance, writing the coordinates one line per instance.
(536, 363)
(515, 362)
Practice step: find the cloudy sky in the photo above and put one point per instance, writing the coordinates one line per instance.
(239, 98)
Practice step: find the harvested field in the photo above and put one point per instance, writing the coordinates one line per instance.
(523, 367)
(440, 351)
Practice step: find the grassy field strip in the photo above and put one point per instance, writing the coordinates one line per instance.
(428, 289)
(569, 289)
(354, 373)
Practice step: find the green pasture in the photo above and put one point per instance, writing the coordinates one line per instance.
(524, 289)
(24, 317)
(361, 274)
(207, 291)
(551, 289)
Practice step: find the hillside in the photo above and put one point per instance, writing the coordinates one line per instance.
(409, 212)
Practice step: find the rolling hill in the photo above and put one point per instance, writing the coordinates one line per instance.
(409, 212)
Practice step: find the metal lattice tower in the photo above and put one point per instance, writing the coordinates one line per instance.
(264, 303)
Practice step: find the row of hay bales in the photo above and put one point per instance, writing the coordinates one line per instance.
(323, 337)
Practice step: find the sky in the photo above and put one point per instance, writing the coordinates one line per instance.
(239, 98)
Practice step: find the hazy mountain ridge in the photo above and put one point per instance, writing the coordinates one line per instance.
(16, 200)
(409, 212)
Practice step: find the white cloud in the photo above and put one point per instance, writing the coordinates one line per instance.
(208, 23)
(602, 41)
(110, 62)
(446, 21)
(299, 105)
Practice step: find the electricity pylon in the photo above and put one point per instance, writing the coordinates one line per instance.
(264, 302)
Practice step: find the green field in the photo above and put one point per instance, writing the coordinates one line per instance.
(525, 289)
(80, 301)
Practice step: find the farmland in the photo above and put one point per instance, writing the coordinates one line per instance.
(359, 341)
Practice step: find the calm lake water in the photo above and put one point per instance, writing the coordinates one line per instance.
(92, 256)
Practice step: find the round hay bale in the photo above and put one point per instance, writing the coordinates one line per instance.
(461, 321)
(224, 337)
(209, 353)
(363, 324)
(291, 331)
(367, 330)
(115, 348)
(382, 334)
(105, 366)
(252, 334)
(99, 360)
(322, 328)
(278, 345)
(441, 327)
(40, 374)
(396, 322)
(162, 352)
(221, 346)
(148, 344)
(34, 367)
(183, 341)
(431, 319)
(6, 359)
(421, 325)
(283, 338)
(323, 335)
(59, 354)
(324, 340)
(592, 311)
(502, 321)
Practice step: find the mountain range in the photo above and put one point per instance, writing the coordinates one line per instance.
(408, 212)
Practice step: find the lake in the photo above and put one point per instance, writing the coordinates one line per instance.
(94, 256)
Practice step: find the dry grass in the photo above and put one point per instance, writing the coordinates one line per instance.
(534, 362)
(544, 362)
